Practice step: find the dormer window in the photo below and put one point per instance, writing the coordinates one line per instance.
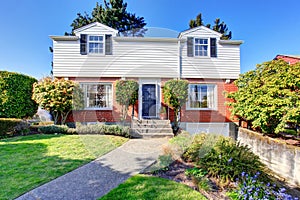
(96, 44)
(201, 47)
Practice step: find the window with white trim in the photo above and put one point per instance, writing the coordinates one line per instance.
(96, 44)
(97, 95)
(202, 96)
(201, 47)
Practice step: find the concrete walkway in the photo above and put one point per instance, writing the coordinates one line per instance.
(97, 178)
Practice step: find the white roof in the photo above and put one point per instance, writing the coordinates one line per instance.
(198, 28)
(95, 24)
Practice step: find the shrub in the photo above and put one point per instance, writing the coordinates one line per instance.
(11, 127)
(59, 97)
(228, 159)
(222, 157)
(249, 187)
(175, 94)
(126, 95)
(103, 129)
(268, 97)
(200, 146)
(15, 95)
(61, 129)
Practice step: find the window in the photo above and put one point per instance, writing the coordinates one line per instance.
(202, 96)
(97, 95)
(96, 44)
(201, 47)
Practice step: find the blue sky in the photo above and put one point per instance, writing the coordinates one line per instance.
(267, 27)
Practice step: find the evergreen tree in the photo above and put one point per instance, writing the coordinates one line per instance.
(112, 13)
(219, 26)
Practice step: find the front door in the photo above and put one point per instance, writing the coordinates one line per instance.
(149, 101)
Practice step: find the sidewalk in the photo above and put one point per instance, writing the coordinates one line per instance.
(98, 177)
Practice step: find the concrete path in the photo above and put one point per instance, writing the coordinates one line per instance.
(97, 178)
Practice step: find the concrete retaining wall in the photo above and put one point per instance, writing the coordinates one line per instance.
(283, 159)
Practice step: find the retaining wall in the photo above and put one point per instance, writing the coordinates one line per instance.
(281, 158)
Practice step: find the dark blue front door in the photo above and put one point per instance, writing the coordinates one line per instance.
(149, 101)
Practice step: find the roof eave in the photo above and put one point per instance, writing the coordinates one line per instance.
(148, 39)
(236, 42)
(64, 38)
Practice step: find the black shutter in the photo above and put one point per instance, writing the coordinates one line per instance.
(190, 46)
(83, 44)
(213, 47)
(108, 44)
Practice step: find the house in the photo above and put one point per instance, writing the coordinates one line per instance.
(97, 57)
(291, 59)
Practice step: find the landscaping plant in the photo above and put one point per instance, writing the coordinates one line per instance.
(175, 94)
(126, 95)
(269, 96)
(222, 157)
(15, 95)
(250, 187)
(59, 97)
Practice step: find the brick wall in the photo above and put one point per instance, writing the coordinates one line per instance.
(222, 114)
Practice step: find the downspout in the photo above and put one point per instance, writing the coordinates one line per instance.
(179, 60)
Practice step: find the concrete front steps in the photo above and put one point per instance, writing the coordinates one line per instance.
(151, 128)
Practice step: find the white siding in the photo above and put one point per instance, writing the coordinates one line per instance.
(145, 58)
(225, 66)
(129, 59)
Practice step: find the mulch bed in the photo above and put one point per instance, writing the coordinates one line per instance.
(176, 172)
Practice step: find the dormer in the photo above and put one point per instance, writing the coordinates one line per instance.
(201, 42)
(96, 38)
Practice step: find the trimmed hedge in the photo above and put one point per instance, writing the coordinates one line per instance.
(15, 95)
(86, 129)
(11, 127)
(104, 130)
(60, 129)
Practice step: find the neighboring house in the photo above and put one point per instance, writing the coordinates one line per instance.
(291, 59)
(97, 57)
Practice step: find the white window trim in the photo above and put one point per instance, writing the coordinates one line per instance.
(208, 47)
(88, 44)
(97, 83)
(215, 97)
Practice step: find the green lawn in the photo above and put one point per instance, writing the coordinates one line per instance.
(29, 161)
(143, 187)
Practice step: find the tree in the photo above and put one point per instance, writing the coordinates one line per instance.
(175, 96)
(222, 28)
(15, 95)
(59, 97)
(114, 15)
(219, 26)
(269, 96)
(126, 95)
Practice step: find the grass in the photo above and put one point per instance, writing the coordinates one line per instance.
(144, 187)
(29, 161)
